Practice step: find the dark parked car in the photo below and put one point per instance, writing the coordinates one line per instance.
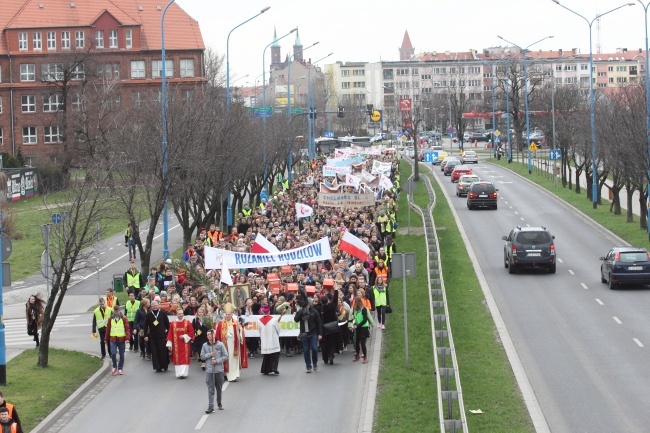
(531, 247)
(625, 265)
(479, 136)
(449, 167)
(482, 194)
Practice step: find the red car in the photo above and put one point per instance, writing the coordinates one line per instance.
(458, 171)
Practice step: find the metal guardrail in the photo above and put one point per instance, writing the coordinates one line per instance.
(451, 408)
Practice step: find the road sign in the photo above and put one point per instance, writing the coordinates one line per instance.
(6, 246)
(431, 156)
(555, 154)
(329, 134)
(533, 146)
(375, 116)
(296, 110)
(56, 218)
(497, 133)
(46, 265)
(410, 186)
(404, 138)
(405, 105)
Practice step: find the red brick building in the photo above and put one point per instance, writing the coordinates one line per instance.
(116, 41)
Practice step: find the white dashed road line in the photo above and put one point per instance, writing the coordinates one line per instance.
(617, 320)
(599, 301)
(584, 286)
(638, 343)
(571, 272)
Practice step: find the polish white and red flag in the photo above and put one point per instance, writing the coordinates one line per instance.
(263, 245)
(303, 210)
(354, 246)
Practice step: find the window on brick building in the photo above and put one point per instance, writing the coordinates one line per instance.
(37, 41)
(1, 137)
(22, 41)
(79, 39)
(51, 134)
(51, 40)
(65, 40)
(0, 104)
(137, 69)
(77, 102)
(52, 103)
(29, 135)
(138, 99)
(99, 39)
(129, 39)
(27, 72)
(78, 72)
(28, 103)
(52, 72)
(187, 68)
(108, 71)
(112, 39)
(156, 68)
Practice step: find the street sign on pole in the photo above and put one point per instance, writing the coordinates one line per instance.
(403, 266)
(56, 218)
(555, 154)
(6, 246)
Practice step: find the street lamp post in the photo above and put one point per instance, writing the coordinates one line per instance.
(523, 51)
(163, 109)
(311, 106)
(494, 128)
(647, 106)
(228, 53)
(594, 191)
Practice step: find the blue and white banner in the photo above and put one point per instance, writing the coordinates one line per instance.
(314, 252)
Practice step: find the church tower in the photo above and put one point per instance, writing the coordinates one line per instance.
(297, 48)
(275, 52)
(406, 51)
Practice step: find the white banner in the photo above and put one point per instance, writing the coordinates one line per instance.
(330, 170)
(314, 252)
(288, 327)
(379, 167)
(352, 180)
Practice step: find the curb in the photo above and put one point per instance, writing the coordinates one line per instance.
(74, 398)
(372, 379)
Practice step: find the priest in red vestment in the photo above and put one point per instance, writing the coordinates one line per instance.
(179, 340)
(231, 334)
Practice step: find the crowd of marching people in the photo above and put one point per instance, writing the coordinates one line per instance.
(184, 314)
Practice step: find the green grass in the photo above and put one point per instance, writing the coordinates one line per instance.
(407, 400)
(36, 392)
(617, 224)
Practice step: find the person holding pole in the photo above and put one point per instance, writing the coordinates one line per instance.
(214, 354)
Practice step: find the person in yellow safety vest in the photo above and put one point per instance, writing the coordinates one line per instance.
(117, 332)
(13, 414)
(262, 205)
(100, 321)
(131, 308)
(133, 280)
(381, 301)
(130, 241)
(382, 220)
(285, 184)
(247, 211)
(111, 300)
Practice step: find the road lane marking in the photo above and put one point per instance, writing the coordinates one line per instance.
(571, 272)
(559, 260)
(516, 213)
(638, 343)
(203, 419)
(617, 320)
(584, 286)
(599, 301)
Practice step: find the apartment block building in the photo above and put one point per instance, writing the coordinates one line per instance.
(108, 42)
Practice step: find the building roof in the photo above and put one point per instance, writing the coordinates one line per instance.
(406, 42)
(181, 30)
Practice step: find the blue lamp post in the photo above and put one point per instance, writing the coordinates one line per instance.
(647, 106)
(163, 109)
(494, 126)
(312, 111)
(524, 51)
(594, 167)
(228, 53)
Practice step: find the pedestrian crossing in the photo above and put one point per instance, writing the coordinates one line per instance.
(16, 330)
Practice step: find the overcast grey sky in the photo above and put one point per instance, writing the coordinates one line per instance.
(364, 30)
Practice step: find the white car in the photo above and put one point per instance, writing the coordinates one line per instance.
(469, 157)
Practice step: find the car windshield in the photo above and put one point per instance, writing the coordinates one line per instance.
(468, 179)
(533, 238)
(483, 188)
(632, 257)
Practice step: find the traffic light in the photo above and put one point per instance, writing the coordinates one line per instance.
(312, 113)
(341, 112)
(369, 108)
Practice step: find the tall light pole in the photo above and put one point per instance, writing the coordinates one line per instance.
(310, 106)
(228, 53)
(592, 103)
(494, 127)
(524, 51)
(647, 107)
(163, 109)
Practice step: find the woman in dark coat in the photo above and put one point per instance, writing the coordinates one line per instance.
(328, 342)
(34, 310)
(200, 331)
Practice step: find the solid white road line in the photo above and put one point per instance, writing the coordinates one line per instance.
(638, 343)
(617, 320)
(599, 301)
(203, 419)
(584, 286)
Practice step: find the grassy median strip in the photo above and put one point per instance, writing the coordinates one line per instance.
(36, 391)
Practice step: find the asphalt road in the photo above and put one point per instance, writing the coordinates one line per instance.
(584, 347)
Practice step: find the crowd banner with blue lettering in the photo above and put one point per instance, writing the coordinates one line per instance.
(331, 171)
(345, 200)
(314, 252)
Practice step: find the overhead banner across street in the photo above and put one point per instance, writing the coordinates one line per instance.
(314, 252)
